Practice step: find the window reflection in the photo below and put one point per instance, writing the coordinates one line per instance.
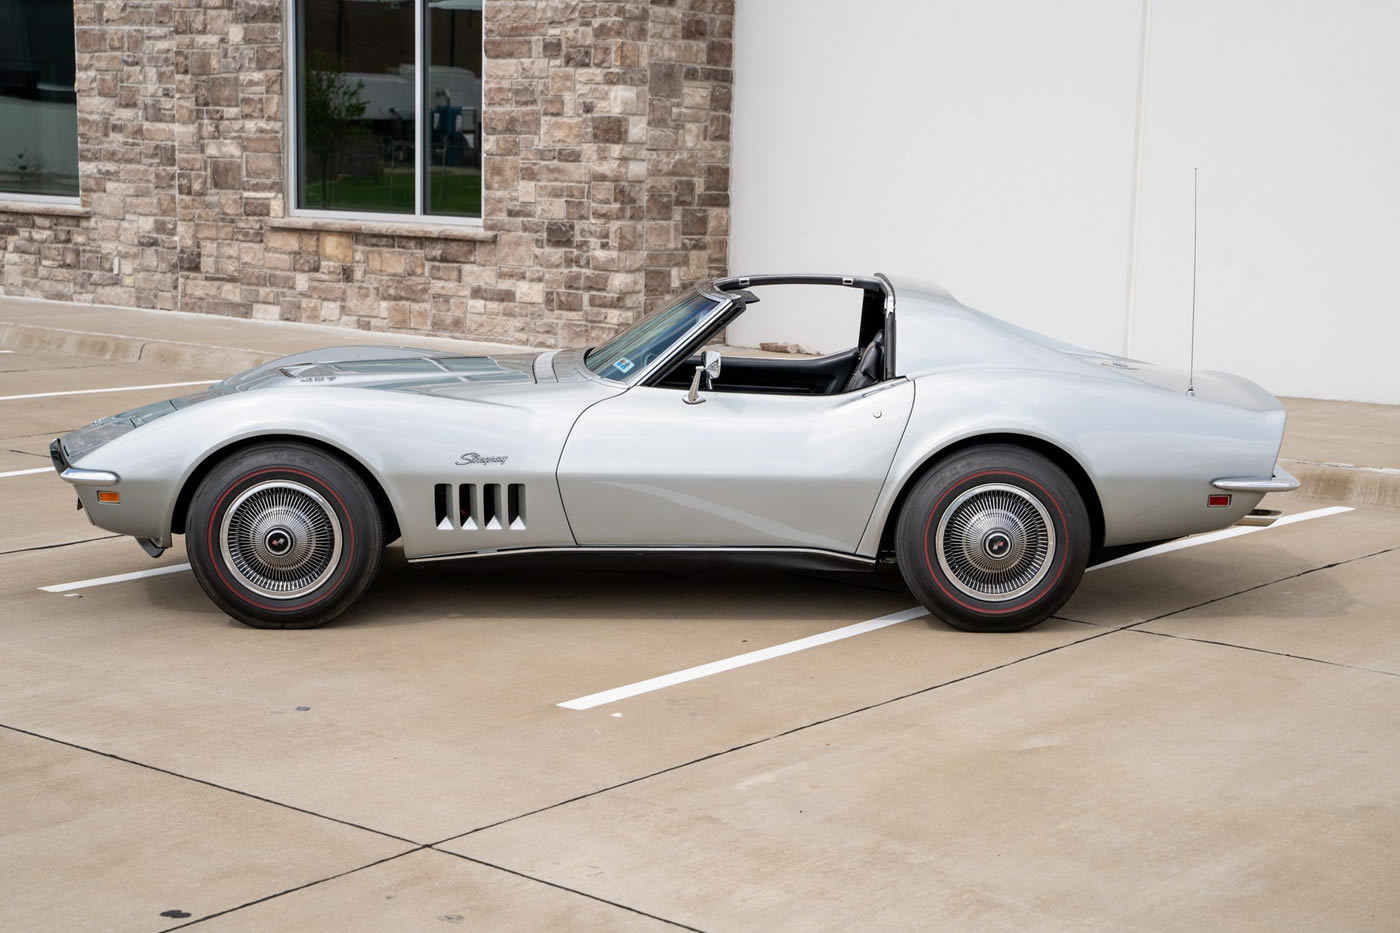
(454, 111)
(356, 98)
(360, 147)
(38, 109)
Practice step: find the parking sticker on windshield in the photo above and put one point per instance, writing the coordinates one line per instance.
(623, 365)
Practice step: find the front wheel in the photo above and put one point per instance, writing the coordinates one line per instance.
(994, 540)
(283, 536)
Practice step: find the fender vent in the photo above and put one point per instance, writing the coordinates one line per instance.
(491, 506)
(515, 507)
(441, 494)
(466, 506)
(488, 506)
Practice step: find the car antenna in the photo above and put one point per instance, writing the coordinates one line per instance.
(1191, 366)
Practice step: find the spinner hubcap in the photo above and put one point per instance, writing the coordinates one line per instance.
(995, 542)
(281, 539)
(279, 542)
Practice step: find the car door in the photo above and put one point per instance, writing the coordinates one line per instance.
(740, 470)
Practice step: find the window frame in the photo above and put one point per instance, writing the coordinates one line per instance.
(878, 296)
(61, 200)
(292, 120)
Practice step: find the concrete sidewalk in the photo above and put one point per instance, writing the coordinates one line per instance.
(182, 340)
(1346, 452)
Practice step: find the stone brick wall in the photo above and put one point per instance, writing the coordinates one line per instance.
(606, 176)
(124, 251)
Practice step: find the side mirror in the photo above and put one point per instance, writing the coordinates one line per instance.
(708, 368)
(711, 366)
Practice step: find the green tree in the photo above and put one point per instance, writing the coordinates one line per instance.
(332, 106)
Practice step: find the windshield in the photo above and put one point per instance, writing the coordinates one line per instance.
(647, 339)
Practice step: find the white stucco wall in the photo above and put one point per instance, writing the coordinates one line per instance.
(1013, 152)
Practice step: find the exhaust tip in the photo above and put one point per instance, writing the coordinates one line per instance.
(1260, 518)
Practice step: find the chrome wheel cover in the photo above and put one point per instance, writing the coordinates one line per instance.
(280, 539)
(995, 542)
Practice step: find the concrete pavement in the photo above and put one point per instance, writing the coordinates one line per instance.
(1203, 738)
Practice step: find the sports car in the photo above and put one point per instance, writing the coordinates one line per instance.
(990, 463)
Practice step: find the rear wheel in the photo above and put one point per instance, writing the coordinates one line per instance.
(284, 536)
(993, 540)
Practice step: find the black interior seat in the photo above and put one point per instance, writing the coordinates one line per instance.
(871, 366)
(773, 376)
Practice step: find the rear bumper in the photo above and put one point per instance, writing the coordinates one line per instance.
(1281, 481)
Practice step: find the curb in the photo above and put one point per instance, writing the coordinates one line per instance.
(207, 357)
(1375, 487)
(118, 349)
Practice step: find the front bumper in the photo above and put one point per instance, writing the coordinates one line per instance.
(57, 456)
(89, 477)
(130, 516)
(75, 476)
(1281, 481)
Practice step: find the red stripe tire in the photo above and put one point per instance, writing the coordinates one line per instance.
(994, 539)
(283, 536)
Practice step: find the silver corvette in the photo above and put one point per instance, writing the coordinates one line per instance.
(991, 463)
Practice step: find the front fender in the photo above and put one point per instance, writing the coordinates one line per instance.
(407, 442)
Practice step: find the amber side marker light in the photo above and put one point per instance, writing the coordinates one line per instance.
(106, 496)
(1217, 502)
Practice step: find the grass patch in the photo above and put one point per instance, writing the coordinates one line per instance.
(455, 195)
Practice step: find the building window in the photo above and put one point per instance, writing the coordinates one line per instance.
(388, 104)
(38, 109)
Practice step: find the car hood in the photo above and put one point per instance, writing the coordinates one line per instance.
(390, 368)
(398, 369)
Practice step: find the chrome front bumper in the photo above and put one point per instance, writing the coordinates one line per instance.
(89, 477)
(74, 475)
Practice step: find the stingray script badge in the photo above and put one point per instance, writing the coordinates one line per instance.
(472, 459)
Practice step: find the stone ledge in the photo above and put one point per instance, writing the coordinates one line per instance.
(44, 208)
(383, 228)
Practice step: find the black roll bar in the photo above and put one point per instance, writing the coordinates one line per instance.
(879, 282)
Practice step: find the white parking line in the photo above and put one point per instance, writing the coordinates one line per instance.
(115, 578)
(1232, 532)
(7, 351)
(776, 651)
(161, 385)
(860, 628)
(47, 469)
(742, 660)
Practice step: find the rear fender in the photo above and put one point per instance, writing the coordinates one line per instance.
(1150, 454)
